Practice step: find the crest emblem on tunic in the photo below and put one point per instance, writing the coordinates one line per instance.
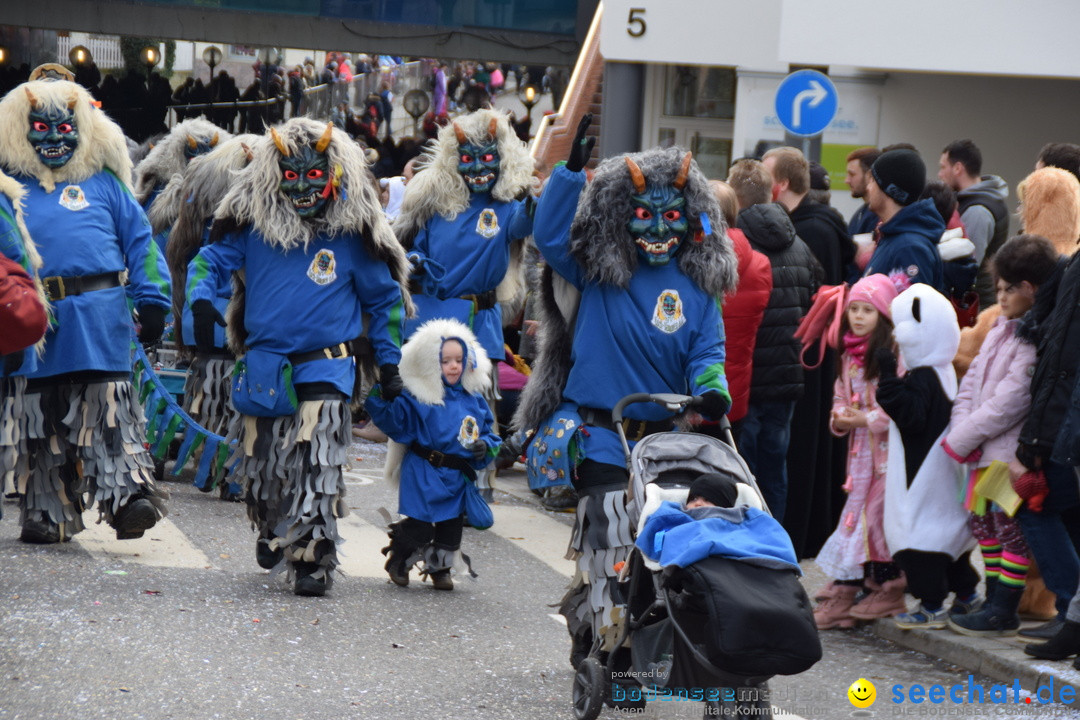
(469, 432)
(323, 268)
(488, 224)
(73, 198)
(668, 315)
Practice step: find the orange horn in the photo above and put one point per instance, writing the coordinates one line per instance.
(247, 151)
(214, 140)
(33, 100)
(460, 134)
(279, 142)
(191, 143)
(493, 126)
(636, 175)
(324, 141)
(684, 172)
(72, 99)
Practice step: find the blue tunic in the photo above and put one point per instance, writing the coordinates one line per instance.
(663, 334)
(429, 493)
(306, 299)
(87, 228)
(13, 248)
(474, 251)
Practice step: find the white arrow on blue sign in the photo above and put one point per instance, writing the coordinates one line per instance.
(806, 102)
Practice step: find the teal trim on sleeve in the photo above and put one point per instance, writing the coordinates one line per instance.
(714, 379)
(394, 325)
(153, 274)
(202, 269)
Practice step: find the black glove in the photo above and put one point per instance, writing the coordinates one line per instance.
(1028, 455)
(582, 147)
(390, 381)
(13, 361)
(479, 450)
(886, 362)
(151, 323)
(712, 404)
(203, 318)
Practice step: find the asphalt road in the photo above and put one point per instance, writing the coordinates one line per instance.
(184, 624)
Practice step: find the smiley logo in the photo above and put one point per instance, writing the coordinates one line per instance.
(862, 693)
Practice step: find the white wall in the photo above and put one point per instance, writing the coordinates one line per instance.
(1008, 118)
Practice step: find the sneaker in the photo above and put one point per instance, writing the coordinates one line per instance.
(985, 623)
(966, 606)
(922, 618)
(1045, 631)
(441, 580)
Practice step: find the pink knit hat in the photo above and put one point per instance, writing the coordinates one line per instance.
(876, 289)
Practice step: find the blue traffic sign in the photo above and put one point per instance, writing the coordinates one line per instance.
(806, 102)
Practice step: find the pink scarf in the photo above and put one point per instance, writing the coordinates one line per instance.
(855, 347)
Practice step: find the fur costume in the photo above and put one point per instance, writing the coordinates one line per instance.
(439, 222)
(309, 285)
(1050, 206)
(83, 435)
(441, 417)
(170, 155)
(108, 150)
(643, 327)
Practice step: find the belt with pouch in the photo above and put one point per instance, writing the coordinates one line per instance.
(440, 459)
(58, 287)
(483, 301)
(341, 350)
(635, 429)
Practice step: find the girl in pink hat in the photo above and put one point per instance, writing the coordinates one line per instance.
(856, 554)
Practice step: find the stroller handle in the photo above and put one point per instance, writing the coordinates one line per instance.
(671, 401)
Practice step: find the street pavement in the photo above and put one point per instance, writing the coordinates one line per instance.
(184, 624)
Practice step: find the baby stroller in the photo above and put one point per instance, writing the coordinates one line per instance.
(713, 631)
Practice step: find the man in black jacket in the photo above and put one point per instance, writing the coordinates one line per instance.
(777, 378)
(817, 455)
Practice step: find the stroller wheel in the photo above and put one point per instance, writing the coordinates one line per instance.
(588, 689)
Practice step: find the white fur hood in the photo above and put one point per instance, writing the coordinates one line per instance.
(420, 367)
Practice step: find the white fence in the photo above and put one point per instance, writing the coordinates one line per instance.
(105, 49)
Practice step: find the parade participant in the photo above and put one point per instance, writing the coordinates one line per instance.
(168, 158)
(461, 220)
(205, 181)
(444, 426)
(23, 321)
(83, 425)
(645, 247)
(303, 223)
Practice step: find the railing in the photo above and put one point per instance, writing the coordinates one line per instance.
(105, 49)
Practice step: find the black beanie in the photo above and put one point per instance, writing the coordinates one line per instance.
(901, 174)
(720, 490)
(819, 177)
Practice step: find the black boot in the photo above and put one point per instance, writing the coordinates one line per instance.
(996, 619)
(405, 540)
(307, 585)
(38, 529)
(1059, 647)
(1045, 631)
(992, 585)
(265, 556)
(134, 518)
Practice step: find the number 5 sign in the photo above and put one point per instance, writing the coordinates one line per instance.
(635, 24)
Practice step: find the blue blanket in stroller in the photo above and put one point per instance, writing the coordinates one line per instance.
(673, 536)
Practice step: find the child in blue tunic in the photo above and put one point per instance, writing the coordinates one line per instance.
(443, 426)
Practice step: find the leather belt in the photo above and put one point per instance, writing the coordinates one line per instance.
(58, 287)
(483, 301)
(340, 350)
(440, 459)
(635, 429)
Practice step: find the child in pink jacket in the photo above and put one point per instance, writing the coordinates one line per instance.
(990, 408)
(856, 554)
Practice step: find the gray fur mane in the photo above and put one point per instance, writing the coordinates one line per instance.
(602, 246)
(166, 159)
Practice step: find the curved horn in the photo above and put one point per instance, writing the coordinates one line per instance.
(279, 142)
(191, 143)
(324, 140)
(247, 151)
(73, 97)
(493, 126)
(684, 172)
(460, 134)
(214, 140)
(636, 175)
(33, 100)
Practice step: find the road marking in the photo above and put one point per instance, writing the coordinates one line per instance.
(362, 477)
(359, 556)
(162, 546)
(537, 534)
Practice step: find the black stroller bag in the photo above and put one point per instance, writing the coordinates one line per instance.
(744, 619)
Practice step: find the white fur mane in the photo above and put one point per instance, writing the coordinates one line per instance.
(420, 367)
(167, 159)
